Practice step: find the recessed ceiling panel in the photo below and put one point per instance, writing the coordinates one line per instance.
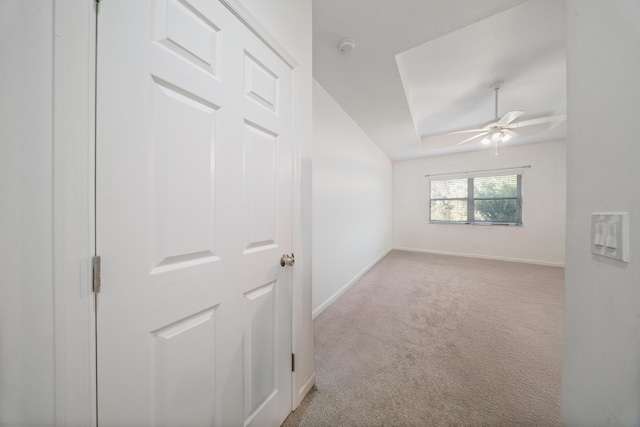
(447, 80)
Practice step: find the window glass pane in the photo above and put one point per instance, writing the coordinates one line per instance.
(495, 186)
(495, 210)
(449, 189)
(448, 210)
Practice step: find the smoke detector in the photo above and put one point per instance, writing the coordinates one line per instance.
(346, 46)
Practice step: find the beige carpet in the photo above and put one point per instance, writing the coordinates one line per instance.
(433, 340)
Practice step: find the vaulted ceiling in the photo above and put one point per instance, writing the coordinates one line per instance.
(422, 68)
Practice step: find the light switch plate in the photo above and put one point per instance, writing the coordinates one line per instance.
(610, 235)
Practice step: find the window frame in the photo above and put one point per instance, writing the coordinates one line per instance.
(471, 199)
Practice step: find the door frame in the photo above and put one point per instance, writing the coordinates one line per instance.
(74, 42)
(74, 82)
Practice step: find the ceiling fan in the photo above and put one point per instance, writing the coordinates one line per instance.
(501, 130)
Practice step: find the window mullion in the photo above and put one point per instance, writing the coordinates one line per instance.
(519, 200)
(470, 202)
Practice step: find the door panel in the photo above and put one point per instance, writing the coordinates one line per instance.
(183, 215)
(186, 31)
(260, 186)
(194, 164)
(259, 364)
(181, 394)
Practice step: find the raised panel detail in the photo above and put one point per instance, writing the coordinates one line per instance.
(182, 179)
(259, 348)
(183, 371)
(185, 31)
(261, 85)
(260, 187)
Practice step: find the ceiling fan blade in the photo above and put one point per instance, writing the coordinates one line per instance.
(473, 137)
(466, 131)
(548, 119)
(509, 117)
(509, 132)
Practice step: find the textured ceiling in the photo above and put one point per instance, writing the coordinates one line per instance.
(423, 67)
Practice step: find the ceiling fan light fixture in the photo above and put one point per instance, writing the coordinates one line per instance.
(486, 140)
(506, 137)
(496, 136)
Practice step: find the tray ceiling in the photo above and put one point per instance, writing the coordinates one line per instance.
(424, 67)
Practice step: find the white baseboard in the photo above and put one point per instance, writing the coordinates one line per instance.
(343, 289)
(497, 258)
(305, 388)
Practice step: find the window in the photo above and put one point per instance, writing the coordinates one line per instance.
(478, 200)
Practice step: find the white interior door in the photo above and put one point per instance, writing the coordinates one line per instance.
(194, 164)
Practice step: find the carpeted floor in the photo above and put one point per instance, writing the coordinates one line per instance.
(434, 340)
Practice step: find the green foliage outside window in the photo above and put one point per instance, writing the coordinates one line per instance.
(497, 188)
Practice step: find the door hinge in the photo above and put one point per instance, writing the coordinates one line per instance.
(293, 362)
(96, 274)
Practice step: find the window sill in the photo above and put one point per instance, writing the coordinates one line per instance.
(480, 224)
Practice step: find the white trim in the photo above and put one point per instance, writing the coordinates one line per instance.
(259, 30)
(297, 276)
(311, 381)
(346, 287)
(73, 212)
(496, 258)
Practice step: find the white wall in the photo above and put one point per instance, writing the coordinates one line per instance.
(601, 352)
(26, 214)
(540, 239)
(351, 201)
